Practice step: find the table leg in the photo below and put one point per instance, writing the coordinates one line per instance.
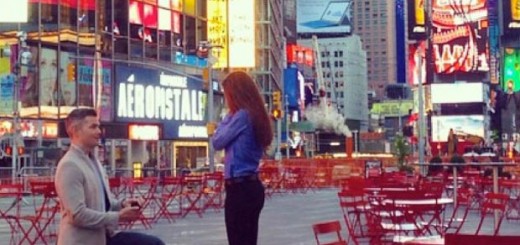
(455, 185)
(495, 190)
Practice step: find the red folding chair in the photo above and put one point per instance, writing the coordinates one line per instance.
(116, 186)
(43, 216)
(213, 184)
(170, 199)
(462, 207)
(331, 230)
(192, 190)
(145, 188)
(12, 193)
(354, 206)
(493, 202)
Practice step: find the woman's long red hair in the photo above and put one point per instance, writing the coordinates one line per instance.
(241, 92)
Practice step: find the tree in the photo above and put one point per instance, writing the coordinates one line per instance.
(402, 150)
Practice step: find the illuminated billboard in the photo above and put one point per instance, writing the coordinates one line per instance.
(451, 92)
(217, 31)
(511, 16)
(234, 34)
(417, 63)
(151, 96)
(511, 70)
(300, 55)
(241, 28)
(416, 19)
(14, 11)
(466, 126)
(459, 36)
(319, 16)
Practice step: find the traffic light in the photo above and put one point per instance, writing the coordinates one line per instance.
(277, 114)
(277, 100)
(71, 72)
(8, 150)
(205, 78)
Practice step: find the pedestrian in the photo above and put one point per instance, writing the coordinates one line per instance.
(244, 133)
(90, 213)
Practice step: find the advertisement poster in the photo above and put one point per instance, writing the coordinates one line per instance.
(6, 86)
(29, 86)
(85, 75)
(218, 31)
(511, 15)
(151, 96)
(464, 126)
(242, 34)
(417, 63)
(67, 80)
(511, 67)
(319, 16)
(6, 94)
(460, 36)
(416, 19)
(48, 67)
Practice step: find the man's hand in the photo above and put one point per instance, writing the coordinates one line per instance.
(133, 202)
(129, 214)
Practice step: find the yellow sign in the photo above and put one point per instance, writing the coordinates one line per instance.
(218, 31)
(419, 12)
(392, 108)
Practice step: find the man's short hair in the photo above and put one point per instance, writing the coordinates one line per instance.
(75, 118)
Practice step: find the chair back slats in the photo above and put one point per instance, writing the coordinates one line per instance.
(493, 202)
(332, 228)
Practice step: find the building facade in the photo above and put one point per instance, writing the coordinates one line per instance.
(344, 64)
(374, 22)
(140, 64)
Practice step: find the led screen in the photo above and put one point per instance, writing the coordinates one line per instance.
(241, 33)
(511, 74)
(417, 63)
(511, 16)
(300, 55)
(451, 92)
(233, 34)
(416, 19)
(464, 126)
(318, 16)
(218, 32)
(14, 11)
(459, 36)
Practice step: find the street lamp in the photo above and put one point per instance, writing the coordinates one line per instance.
(204, 51)
(23, 59)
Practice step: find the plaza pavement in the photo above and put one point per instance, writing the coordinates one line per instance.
(285, 220)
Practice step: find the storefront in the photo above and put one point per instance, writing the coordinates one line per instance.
(165, 115)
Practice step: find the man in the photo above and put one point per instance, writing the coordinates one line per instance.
(90, 213)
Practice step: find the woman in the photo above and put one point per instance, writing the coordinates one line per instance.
(244, 133)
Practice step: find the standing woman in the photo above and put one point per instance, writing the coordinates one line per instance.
(244, 133)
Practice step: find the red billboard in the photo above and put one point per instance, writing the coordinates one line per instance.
(459, 36)
(300, 55)
(417, 63)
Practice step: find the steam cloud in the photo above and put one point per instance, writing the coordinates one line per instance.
(327, 119)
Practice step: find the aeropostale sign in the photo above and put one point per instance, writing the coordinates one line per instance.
(146, 95)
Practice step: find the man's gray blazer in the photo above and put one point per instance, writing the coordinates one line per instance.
(84, 219)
